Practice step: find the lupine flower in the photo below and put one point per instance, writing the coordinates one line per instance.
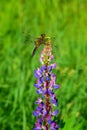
(45, 85)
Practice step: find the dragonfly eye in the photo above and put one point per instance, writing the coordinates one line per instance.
(43, 35)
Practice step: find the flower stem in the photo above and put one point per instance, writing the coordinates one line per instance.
(47, 103)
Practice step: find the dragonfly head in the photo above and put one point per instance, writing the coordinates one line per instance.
(43, 35)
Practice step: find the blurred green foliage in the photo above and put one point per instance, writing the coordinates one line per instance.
(66, 20)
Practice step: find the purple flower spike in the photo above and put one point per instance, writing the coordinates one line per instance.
(45, 88)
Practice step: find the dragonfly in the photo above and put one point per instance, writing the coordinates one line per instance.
(41, 40)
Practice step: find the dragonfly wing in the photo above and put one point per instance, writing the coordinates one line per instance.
(27, 37)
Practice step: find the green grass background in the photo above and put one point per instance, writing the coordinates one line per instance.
(66, 20)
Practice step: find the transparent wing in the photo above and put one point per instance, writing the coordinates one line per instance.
(27, 37)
